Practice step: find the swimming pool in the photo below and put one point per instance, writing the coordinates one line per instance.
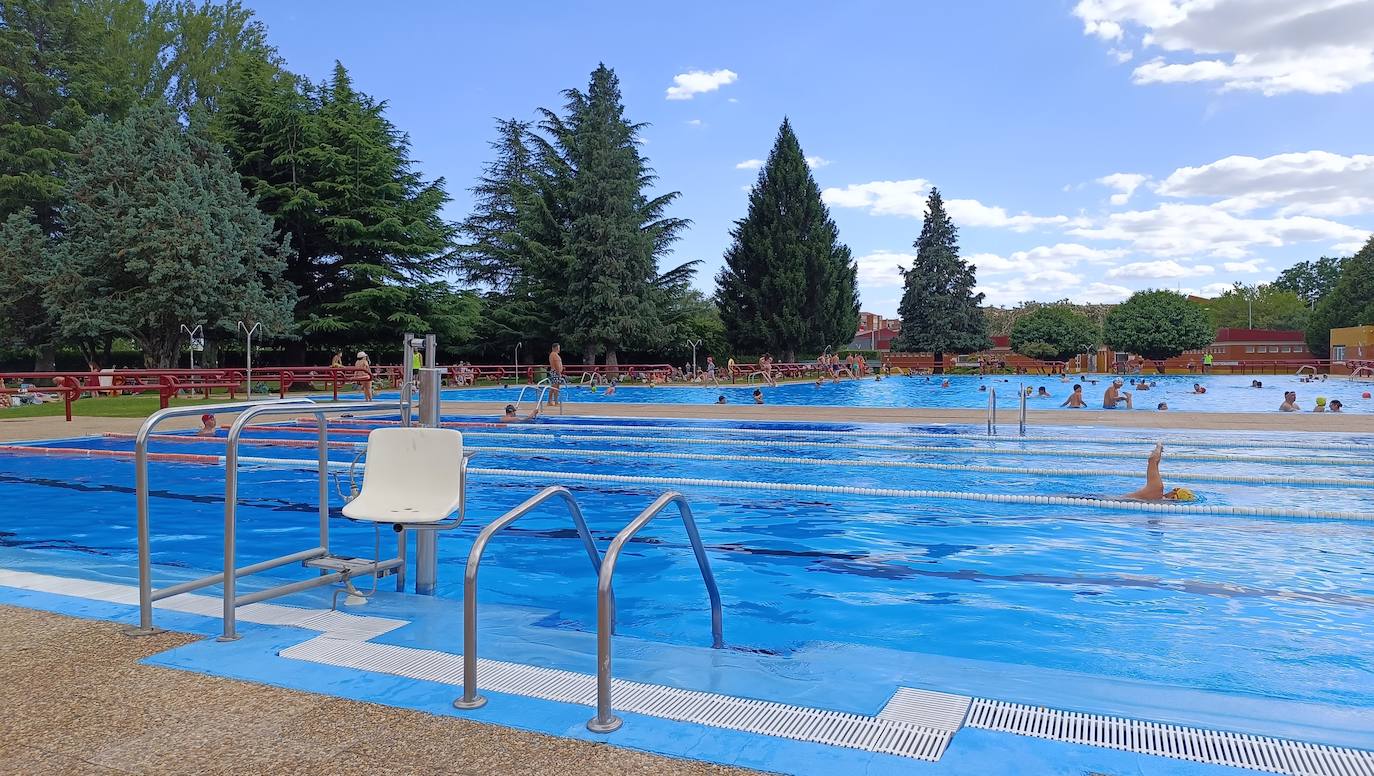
(1225, 393)
(1233, 607)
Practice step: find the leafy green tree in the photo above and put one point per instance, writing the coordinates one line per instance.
(385, 308)
(1055, 333)
(1349, 303)
(1310, 280)
(788, 283)
(939, 310)
(25, 250)
(1158, 325)
(159, 232)
(1268, 306)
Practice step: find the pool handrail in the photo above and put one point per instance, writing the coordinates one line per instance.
(992, 411)
(605, 721)
(229, 578)
(146, 594)
(1022, 419)
(470, 698)
(541, 390)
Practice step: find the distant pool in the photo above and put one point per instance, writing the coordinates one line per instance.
(1225, 393)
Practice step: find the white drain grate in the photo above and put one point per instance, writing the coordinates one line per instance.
(1214, 747)
(883, 734)
(927, 707)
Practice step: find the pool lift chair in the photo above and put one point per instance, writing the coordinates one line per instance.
(414, 479)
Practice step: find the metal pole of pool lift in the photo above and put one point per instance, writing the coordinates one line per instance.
(408, 341)
(191, 337)
(426, 542)
(695, 344)
(248, 347)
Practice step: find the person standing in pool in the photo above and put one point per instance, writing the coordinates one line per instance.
(555, 375)
(758, 396)
(1075, 399)
(1115, 396)
(1290, 402)
(1154, 483)
(207, 425)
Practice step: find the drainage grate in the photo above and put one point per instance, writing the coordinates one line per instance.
(1215, 747)
(927, 707)
(884, 733)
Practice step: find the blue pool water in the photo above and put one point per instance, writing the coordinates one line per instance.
(1268, 607)
(1225, 393)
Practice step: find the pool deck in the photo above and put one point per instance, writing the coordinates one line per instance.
(78, 701)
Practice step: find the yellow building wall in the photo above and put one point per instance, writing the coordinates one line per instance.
(1358, 342)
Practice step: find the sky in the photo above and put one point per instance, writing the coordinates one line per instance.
(1085, 148)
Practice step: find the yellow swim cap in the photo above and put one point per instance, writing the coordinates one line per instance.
(1183, 494)
(1321, 400)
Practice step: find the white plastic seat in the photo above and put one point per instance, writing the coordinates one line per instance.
(413, 476)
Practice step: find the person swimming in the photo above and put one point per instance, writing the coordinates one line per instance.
(1075, 399)
(1154, 483)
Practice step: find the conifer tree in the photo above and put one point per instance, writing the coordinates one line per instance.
(788, 283)
(939, 310)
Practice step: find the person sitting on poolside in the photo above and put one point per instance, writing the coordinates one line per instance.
(1197, 388)
(511, 417)
(207, 425)
(1154, 483)
(1290, 402)
(1075, 399)
(1115, 396)
(758, 396)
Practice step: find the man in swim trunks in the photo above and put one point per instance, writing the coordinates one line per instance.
(555, 375)
(1154, 483)
(1115, 396)
(1290, 402)
(1075, 399)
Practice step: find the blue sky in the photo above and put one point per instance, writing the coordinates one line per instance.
(1086, 148)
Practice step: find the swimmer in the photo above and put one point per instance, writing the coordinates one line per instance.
(1115, 396)
(1256, 384)
(207, 425)
(944, 384)
(720, 399)
(611, 386)
(758, 396)
(1043, 394)
(1162, 406)
(511, 417)
(1154, 483)
(1290, 402)
(1321, 404)
(983, 388)
(1197, 388)
(1075, 399)
(1336, 405)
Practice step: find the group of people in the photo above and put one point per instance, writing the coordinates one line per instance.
(1290, 404)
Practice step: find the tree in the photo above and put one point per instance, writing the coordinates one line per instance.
(1055, 333)
(613, 232)
(1310, 280)
(25, 250)
(1158, 325)
(1350, 301)
(1257, 307)
(788, 283)
(159, 232)
(379, 314)
(939, 309)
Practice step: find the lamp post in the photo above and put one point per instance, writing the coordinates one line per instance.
(695, 344)
(191, 335)
(247, 330)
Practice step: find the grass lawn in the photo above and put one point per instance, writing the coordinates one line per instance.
(137, 406)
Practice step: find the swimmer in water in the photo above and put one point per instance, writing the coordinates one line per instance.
(1075, 399)
(511, 417)
(1154, 483)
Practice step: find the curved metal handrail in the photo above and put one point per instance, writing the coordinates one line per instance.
(605, 721)
(470, 698)
(146, 595)
(541, 390)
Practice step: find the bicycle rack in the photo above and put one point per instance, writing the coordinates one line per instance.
(605, 721)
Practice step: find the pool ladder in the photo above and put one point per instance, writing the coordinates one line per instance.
(992, 411)
(605, 720)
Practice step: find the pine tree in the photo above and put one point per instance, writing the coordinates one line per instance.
(940, 313)
(25, 252)
(159, 233)
(788, 282)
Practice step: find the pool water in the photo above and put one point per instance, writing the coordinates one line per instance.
(1224, 393)
(1268, 607)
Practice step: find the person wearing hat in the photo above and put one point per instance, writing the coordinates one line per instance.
(364, 374)
(207, 425)
(1321, 404)
(511, 417)
(1154, 483)
(1115, 396)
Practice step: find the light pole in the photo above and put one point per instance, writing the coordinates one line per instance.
(517, 359)
(191, 335)
(246, 329)
(695, 344)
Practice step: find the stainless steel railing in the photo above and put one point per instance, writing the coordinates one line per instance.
(605, 721)
(146, 594)
(541, 391)
(471, 699)
(992, 411)
(1022, 420)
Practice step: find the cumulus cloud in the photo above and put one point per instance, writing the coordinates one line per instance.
(1314, 183)
(1249, 267)
(1267, 46)
(1124, 183)
(693, 82)
(817, 161)
(749, 164)
(1159, 270)
(1178, 229)
(908, 198)
(694, 122)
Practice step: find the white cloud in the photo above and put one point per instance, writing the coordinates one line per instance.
(749, 164)
(817, 161)
(1269, 46)
(693, 82)
(694, 122)
(1045, 257)
(1315, 183)
(1121, 56)
(1249, 267)
(1177, 229)
(1102, 293)
(733, 99)
(908, 198)
(1124, 183)
(1159, 270)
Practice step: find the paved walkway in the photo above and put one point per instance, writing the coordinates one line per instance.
(76, 701)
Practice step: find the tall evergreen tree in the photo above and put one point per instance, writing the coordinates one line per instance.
(25, 251)
(158, 232)
(939, 310)
(613, 232)
(788, 282)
